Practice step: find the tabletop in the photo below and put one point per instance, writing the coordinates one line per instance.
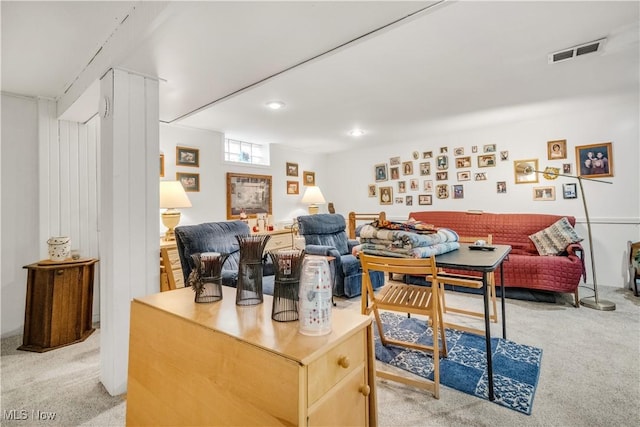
(475, 260)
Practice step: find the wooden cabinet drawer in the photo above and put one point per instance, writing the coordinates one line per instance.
(345, 405)
(336, 364)
(279, 241)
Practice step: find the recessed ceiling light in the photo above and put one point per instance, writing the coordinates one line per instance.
(275, 105)
(356, 132)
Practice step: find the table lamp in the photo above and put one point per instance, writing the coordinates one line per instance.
(313, 196)
(172, 196)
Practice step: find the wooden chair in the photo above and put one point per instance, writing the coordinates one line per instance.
(172, 267)
(406, 298)
(468, 281)
(355, 217)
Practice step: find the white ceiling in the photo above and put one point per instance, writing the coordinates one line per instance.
(220, 62)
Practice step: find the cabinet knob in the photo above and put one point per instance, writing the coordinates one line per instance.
(365, 390)
(60, 272)
(344, 362)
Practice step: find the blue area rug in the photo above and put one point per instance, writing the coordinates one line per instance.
(516, 367)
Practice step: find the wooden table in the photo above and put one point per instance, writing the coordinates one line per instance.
(221, 364)
(485, 262)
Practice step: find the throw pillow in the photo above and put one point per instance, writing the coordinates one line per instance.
(555, 238)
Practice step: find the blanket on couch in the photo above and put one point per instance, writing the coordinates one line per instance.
(406, 244)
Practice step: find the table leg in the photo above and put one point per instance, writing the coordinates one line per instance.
(487, 326)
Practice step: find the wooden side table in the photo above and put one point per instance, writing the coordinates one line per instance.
(59, 305)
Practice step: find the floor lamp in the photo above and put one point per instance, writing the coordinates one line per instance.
(590, 302)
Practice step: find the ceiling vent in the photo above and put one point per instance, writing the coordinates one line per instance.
(576, 51)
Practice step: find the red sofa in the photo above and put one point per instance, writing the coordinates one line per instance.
(524, 268)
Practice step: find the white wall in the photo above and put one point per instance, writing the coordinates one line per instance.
(209, 204)
(524, 132)
(20, 216)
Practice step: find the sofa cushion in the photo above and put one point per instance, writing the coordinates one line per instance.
(555, 238)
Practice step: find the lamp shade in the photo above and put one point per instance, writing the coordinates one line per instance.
(172, 195)
(313, 195)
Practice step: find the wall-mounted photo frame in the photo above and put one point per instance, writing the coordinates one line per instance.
(373, 190)
(293, 187)
(595, 160)
(427, 185)
(161, 165)
(504, 155)
(458, 191)
(425, 199)
(407, 168)
(522, 178)
(486, 161)
(458, 151)
(292, 169)
(381, 172)
(557, 149)
(425, 168)
(489, 148)
(190, 181)
(399, 201)
(442, 191)
(402, 186)
(427, 154)
(501, 187)
(442, 162)
(248, 193)
(566, 168)
(395, 172)
(464, 176)
(394, 161)
(544, 193)
(309, 178)
(413, 185)
(186, 156)
(570, 190)
(463, 162)
(442, 176)
(480, 176)
(408, 200)
(415, 156)
(386, 195)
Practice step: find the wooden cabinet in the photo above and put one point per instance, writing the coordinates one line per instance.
(221, 364)
(280, 239)
(59, 304)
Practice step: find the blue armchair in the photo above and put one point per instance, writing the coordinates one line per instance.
(218, 237)
(325, 234)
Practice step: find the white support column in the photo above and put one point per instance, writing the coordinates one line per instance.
(129, 243)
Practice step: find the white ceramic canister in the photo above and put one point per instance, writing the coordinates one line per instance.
(59, 248)
(314, 303)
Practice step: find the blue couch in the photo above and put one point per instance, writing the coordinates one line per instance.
(325, 234)
(218, 237)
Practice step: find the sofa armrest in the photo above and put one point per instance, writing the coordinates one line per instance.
(322, 250)
(352, 243)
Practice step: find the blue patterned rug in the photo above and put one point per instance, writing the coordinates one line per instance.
(516, 367)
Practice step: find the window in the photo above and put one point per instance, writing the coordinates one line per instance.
(246, 152)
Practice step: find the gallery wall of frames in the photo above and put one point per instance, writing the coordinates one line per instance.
(450, 172)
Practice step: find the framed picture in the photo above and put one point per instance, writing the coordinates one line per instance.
(442, 191)
(425, 199)
(458, 191)
(544, 193)
(408, 200)
(522, 178)
(415, 156)
(425, 168)
(395, 172)
(407, 168)
(292, 169)
(372, 190)
(480, 176)
(161, 165)
(427, 185)
(570, 190)
(459, 151)
(557, 149)
(504, 155)
(442, 176)
(402, 186)
(309, 178)
(394, 161)
(501, 187)
(190, 181)
(463, 162)
(381, 172)
(413, 185)
(250, 194)
(293, 187)
(399, 200)
(566, 168)
(186, 156)
(595, 160)
(489, 148)
(427, 154)
(386, 195)
(486, 161)
(442, 162)
(464, 176)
